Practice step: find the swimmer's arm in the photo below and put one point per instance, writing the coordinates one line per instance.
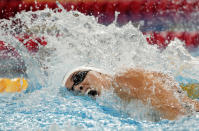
(150, 87)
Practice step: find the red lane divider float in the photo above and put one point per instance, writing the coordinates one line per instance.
(162, 39)
(31, 43)
(130, 10)
(6, 49)
(133, 10)
(156, 11)
(191, 39)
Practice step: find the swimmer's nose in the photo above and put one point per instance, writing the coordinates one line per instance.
(92, 93)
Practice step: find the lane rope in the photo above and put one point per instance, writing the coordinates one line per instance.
(13, 85)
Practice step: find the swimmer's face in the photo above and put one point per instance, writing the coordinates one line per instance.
(85, 82)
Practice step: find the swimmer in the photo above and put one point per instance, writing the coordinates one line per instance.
(154, 88)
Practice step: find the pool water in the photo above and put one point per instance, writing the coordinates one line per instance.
(47, 105)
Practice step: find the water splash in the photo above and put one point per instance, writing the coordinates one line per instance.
(75, 40)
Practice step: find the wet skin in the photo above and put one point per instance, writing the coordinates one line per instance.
(155, 88)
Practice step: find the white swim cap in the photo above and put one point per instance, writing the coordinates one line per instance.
(80, 68)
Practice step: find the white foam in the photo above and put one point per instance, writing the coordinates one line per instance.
(85, 42)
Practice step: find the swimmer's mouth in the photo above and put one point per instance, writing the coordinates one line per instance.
(92, 93)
